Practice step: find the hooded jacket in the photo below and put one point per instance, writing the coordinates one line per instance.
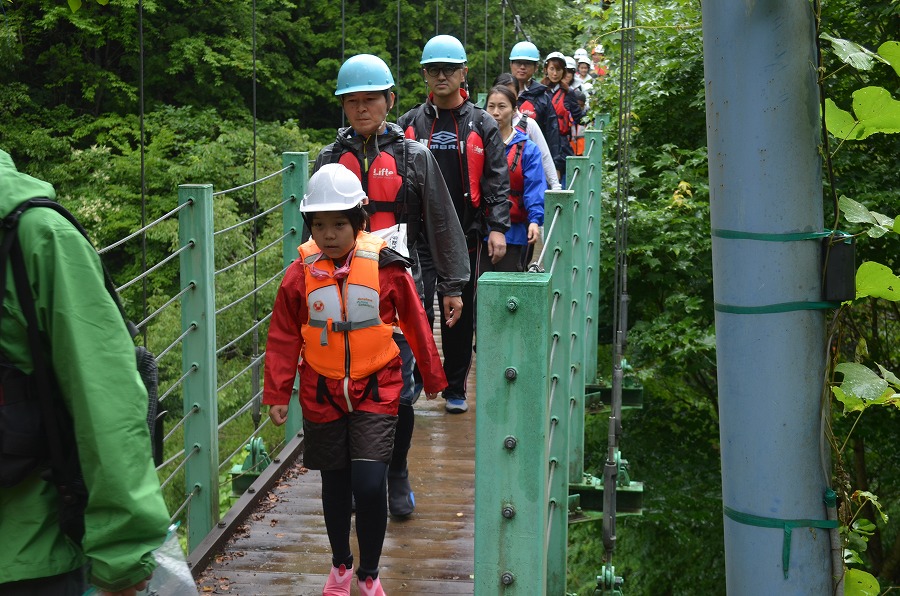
(535, 102)
(441, 231)
(486, 208)
(92, 357)
(531, 173)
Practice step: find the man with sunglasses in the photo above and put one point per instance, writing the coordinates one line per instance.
(466, 143)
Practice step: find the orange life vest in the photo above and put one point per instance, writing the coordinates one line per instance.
(345, 336)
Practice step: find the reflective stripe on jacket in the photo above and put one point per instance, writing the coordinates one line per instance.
(345, 336)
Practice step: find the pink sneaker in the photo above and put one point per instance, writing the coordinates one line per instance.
(338, 583)
(370, 587)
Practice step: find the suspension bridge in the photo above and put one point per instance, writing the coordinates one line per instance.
(510, 518)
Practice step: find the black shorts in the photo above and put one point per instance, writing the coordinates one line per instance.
(359, 435)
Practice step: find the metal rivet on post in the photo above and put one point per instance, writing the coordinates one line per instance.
(507, 578)
(512, 304)
(510, 442)
(511, 374)
(509, 512)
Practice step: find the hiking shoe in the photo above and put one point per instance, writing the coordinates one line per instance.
(370, 587)
(456, 405)
(401, 500)
(338, 583)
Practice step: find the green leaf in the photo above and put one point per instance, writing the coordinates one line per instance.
(852, 53)
(877, 280)
(851, 556)
(74, 5)
(859, 583)
(889, 376)
(864, 526)
(876, 110)
(840, 123)
(851, 402)
(861, 381)
(890, 51)
(855, 212)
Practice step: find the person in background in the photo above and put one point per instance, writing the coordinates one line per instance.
(406, 193)
(598, 62)
(563, 101)
(526, 181)
(533, 130)
(466, 142)
(101, 396)
(534, 100)
(336, 308)
(575, 87)
(582, 65)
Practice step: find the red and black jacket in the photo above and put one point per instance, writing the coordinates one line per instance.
(483, 160)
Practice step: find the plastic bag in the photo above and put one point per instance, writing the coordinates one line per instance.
(172, 576)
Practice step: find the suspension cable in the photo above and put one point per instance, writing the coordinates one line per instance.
(620, 300)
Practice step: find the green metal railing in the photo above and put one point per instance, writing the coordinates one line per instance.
(531, 384)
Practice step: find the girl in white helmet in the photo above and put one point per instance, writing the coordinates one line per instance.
(336, 308)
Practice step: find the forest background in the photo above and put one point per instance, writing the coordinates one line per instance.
(70, 92)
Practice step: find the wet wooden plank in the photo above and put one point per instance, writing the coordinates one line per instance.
(283, 548)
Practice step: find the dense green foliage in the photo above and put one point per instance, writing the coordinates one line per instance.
(69, 113)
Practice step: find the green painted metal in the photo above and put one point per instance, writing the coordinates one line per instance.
(593, 207)
(512, 427)
(198, 311)
(567, 328)
(578, 170)
(243, 475)
(608, 583)
(293, 187)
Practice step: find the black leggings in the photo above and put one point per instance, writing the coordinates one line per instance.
(367, 480)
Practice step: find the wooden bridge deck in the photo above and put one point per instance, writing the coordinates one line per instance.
(282, 549)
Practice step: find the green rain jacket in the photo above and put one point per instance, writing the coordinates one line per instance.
(93, 360)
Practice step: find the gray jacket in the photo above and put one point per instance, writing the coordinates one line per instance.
(425, 190)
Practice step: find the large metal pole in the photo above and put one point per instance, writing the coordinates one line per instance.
(765, 182)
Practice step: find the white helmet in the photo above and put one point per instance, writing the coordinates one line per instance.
(583, 60)
(333, 188)
(580, 52)
(598, 49)
(570, 63)
(555, 56)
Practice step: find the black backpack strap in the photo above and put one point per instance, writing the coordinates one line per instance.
(519, 147)
(522, 124)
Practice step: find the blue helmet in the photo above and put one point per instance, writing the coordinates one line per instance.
(363, 72)
(525, 50)
(445, 49)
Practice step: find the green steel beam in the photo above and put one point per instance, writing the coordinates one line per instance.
(198, 360)
(578, 171)
(511, 452)
(600, 396)
(593, 207)
(567, 329)
(293, 187)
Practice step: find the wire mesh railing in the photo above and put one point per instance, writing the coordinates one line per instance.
(217, 379)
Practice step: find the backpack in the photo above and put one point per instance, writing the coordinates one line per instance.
(35, 428)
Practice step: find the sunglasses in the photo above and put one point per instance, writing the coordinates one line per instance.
(447, 69)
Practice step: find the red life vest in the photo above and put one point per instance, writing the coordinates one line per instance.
(562, 114)
(471, 160)
(382, 185)
(345, 336)
(517, 212)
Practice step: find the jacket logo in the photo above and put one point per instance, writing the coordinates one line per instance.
(478, 149)
(318, 306)
(382, 172)
(443, 139)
